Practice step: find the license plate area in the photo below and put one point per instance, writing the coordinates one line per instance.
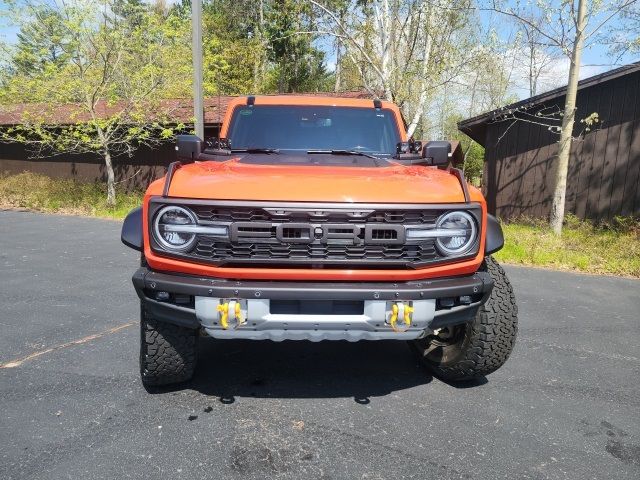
(316, 307)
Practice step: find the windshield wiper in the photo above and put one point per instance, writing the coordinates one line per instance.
(342, 152)
(255, 150)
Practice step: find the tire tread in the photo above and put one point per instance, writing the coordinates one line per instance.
(168, 353)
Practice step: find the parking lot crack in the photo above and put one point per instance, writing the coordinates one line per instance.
(19, 361)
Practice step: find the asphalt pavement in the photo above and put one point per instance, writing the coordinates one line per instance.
(565, 406)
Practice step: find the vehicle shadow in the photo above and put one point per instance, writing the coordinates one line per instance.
(296, 369)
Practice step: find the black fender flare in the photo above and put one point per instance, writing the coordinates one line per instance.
(495, 237)
(131, 234)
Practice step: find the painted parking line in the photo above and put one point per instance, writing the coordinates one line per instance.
(19, 361)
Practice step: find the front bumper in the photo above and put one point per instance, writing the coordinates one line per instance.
(437, 303)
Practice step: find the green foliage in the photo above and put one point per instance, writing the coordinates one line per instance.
(474, 160)
(623, 37)
(85, 137)
(231, 50)
(95, 50)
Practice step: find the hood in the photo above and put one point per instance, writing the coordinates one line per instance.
(237, 180)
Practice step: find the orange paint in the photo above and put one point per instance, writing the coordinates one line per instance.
(232, 180)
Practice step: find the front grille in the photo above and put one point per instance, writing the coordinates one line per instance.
(316, 236)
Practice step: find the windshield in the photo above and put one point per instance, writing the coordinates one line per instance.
(304, 128)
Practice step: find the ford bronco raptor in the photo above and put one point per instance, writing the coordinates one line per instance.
(316, 218)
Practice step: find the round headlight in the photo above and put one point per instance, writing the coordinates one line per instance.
(171, 228)
(463, 233)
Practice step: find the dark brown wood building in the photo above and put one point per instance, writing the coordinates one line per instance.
(137, 171)
(521, 144)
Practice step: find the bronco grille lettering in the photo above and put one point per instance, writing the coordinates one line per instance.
(322, 233)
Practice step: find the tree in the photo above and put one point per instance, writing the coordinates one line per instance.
(254, 47)
(564, 29)
(298, 65)
(116, 60)
(402, 50)
(40, 43)
(233, 50)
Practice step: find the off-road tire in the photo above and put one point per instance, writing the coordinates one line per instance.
(482, 346)
(168, 353)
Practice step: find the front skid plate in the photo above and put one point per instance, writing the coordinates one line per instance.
(259, 323)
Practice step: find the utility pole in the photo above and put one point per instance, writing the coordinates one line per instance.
(196, 47)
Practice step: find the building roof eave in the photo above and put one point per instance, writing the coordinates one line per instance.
(476, 127)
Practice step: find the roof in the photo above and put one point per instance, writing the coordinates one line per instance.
(476, 127)
(176, 110)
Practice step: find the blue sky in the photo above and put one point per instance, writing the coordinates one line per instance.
(7, 32)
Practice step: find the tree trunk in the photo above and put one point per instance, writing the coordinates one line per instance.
(258, 64)
(338, 71)
(428, 13)
(566, 132)
(111, 183)
(383, 27)
(256, 73)
(532, 68)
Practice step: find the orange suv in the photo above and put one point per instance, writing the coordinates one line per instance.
(316, 218)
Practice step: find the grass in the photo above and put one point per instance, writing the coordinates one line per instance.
(599, 249)
(44, 194)
(584, 247)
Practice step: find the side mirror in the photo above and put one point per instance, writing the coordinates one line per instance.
(437, 152)
(188, 147)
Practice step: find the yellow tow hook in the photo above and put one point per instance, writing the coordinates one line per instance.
(223, 308)
(394, 316)
(224, 317)
(407, 310)
(238, 312)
